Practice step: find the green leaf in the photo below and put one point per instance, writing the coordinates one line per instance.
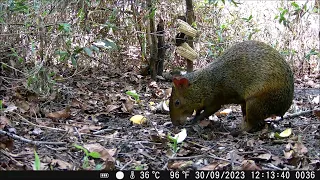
(37, 164)
(311, 53)
(73, 61)
(85, 162)
(110, 44)
(99, 167)
(81, 148)
(138, 168)
(64, 27)
(94, 154)
(294, 4)
(95, 48)
(88, 51)
(1, 107)
(63, 55)
(81, 14)
(133, 94)
(152, 12)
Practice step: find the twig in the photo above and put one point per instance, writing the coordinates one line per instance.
(297, 114)
(222, 159)
(187, 157)
(30, 141)
(25, 120)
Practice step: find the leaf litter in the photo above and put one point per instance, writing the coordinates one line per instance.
(96, 115)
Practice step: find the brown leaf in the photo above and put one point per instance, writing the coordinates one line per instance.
(89, 128)
(127, 106)
(316, 112)
(209, 167)
(180, 164)
(204, 123)
(104, 153)
(63, 114)
(289, 154)
(111, 108)
(61, 164)
(249, 165)
(300, 148)
(23, 105)
(265, 157)
(6, 142)
(4, 121)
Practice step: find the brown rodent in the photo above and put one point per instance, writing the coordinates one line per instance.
(251, 74)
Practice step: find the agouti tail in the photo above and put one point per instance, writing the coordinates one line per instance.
(251, 74)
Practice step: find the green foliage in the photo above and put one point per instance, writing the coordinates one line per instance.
(138, 168)
(282, 16)
(133, 94)
(311, 53)
(288, 52)
(37, 164)
(1, 106)
(64, 27)
(247, 19)
(173, 146)
(87, 155)
(88, 51)
(20, 6)
(16, 55)
(98, 167)
(40, 80)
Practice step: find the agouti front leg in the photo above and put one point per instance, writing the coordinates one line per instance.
(253, 116)
(206, 113)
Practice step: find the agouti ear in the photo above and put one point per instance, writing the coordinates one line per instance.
(180, 82)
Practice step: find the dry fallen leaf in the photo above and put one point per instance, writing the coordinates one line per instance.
(249, 165)
(316, 112)
(4, 121)
(105, 154)
(300, 148)
(265, 157)
(89, 128)
(111, 108)
(289, 154)
(127, 106)
(61, 164)
(180, 165)
(63, 114)
(209, 167)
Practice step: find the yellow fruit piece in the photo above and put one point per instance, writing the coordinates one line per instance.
(286, 133)
(151, 103)
(138, 119)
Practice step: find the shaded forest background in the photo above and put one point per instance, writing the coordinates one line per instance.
(64, 38)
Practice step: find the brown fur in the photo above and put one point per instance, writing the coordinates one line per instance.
(251, 74)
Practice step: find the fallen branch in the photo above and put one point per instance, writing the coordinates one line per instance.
(37, 143)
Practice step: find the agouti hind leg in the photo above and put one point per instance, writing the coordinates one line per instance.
(254, 115)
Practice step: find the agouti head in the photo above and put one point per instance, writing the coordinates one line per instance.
(179, 109)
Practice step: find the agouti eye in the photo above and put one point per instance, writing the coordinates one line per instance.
(177, 103)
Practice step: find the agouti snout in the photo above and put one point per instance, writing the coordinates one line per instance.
(251, 74)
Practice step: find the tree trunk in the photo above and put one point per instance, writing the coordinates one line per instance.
(161, 48)
(153, 46)
(190, 20)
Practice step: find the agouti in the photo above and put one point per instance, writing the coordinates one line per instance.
(251, 74)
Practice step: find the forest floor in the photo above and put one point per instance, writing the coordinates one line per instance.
(93, 112)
